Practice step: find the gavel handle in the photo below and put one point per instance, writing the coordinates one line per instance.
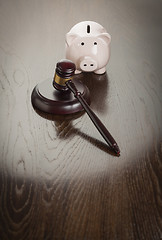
(99, 125)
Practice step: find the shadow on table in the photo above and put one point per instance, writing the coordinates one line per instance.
(98, 86)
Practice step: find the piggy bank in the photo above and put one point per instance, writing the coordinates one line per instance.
(88, 46)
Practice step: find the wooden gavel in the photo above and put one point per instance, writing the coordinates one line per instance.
(63, 81)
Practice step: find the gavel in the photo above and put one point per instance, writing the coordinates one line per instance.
(63, 82)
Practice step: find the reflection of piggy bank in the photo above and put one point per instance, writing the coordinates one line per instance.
(88, 46)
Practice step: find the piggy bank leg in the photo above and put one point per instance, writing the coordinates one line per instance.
(100, 71)
(77, 71)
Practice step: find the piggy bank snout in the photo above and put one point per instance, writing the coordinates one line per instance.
(88, 64)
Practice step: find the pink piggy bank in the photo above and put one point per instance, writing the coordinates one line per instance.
(88, 46)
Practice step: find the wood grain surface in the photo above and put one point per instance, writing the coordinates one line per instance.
(58, 179)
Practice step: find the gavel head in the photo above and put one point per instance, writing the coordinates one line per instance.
(64, 72)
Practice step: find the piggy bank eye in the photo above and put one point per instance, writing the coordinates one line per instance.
(82, 43)
(95, 43)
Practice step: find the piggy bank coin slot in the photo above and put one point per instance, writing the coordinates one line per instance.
(88, 28)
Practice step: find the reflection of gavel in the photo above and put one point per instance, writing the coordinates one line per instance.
(63, 82)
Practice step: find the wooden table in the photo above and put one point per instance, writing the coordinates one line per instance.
(58, 180)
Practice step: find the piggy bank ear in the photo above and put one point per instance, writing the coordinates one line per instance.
(70, 38)
(106, 37)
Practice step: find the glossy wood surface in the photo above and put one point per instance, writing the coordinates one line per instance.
(58, 179)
